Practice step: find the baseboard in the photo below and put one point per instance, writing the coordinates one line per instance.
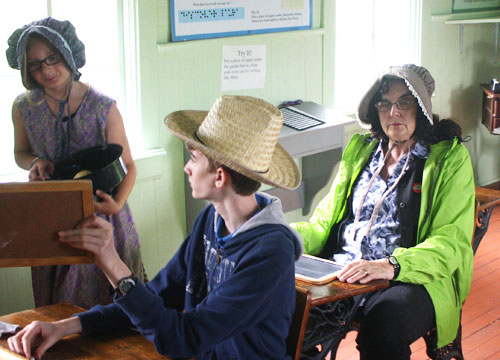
(495, 185)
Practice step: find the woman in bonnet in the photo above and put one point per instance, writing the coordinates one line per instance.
(56, 117)
(401, 208)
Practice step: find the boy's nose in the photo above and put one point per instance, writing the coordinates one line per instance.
(187, 169)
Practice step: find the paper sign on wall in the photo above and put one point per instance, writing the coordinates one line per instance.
(202, 19)
(243, 67)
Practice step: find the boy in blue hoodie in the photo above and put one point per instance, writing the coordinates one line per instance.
(229, 291)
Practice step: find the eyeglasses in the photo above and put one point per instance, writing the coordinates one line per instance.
(385, 106)
(36, 65)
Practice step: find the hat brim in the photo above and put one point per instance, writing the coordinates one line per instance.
(364, 104)
(282, 172)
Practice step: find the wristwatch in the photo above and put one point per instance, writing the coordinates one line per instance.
(125, 285)
(394, 262)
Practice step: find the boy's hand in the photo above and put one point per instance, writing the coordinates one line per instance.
(95, 234)
(42, 335)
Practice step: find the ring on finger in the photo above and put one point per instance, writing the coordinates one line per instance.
(365, 271)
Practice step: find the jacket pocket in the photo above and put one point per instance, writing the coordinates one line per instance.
(455, 290)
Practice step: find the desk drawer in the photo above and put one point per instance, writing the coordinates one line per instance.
(491, 111)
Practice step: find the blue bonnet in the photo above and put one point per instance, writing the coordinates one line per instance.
(61, 34)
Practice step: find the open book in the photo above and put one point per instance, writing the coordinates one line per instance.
(316, 270)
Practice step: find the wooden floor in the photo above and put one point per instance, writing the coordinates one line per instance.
(481, 312)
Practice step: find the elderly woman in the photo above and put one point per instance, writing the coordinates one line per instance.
(401, 208)
(57, 116)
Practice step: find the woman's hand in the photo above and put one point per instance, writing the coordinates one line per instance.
(108, 205)
(42, 335)
(365, 271)
(41, 169)
(95, 234)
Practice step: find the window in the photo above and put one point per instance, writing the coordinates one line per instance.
(371, 35)
(98, 25)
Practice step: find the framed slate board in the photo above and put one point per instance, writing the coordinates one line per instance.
(32, 213)
(316, 270)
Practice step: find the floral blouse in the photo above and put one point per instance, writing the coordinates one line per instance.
(384, 235)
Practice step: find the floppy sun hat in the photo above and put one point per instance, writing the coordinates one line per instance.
(61, 34)
(418, 80)
(240, 132)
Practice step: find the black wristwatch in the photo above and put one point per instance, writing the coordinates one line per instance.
(125, 285)
(394, 262)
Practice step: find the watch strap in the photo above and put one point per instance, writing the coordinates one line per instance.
(124, 285)
(395, 264)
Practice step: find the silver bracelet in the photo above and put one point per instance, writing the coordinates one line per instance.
(33, 162)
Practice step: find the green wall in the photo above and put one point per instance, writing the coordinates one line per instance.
(175, 76)
(458, 76)
(188, 74)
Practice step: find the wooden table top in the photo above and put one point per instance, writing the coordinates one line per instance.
(128, 344)
(336, 290)
(487, 197)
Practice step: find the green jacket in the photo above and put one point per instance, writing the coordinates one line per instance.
(442, 260)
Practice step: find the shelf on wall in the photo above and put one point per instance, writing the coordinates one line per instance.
(495, 19)
(469, 18)
(475, 17)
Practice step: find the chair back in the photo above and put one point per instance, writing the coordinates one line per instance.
(299, 321)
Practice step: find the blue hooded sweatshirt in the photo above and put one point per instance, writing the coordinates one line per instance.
(213, 302)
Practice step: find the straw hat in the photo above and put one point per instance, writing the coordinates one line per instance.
(418, 80)
(240, 132)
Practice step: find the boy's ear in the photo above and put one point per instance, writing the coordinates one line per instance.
(222, 177)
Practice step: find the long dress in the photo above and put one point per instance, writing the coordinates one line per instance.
(83, 285)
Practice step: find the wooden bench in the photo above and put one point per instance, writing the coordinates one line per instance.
(486, 200)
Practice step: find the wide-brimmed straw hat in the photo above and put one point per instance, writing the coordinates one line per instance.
(240, 132)
(418, 80)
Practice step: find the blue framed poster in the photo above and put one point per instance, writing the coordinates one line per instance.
(204, 19)
(475, 5)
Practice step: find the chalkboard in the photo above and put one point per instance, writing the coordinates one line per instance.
(316, 270)
(203, 19)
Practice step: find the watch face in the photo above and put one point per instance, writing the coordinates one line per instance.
(125, 285)
(393, 261)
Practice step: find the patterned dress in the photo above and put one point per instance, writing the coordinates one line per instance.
(83, 285)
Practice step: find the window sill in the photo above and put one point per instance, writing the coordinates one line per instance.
(16, 176)
(146, 162)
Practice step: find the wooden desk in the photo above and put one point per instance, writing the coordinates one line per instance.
(327, 316)
(336, 290)
(128, 344)
(486, 199)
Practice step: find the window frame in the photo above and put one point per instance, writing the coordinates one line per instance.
(129, 74)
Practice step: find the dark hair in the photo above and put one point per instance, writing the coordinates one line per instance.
(446, 129)
(241, 184)
(430, 134)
